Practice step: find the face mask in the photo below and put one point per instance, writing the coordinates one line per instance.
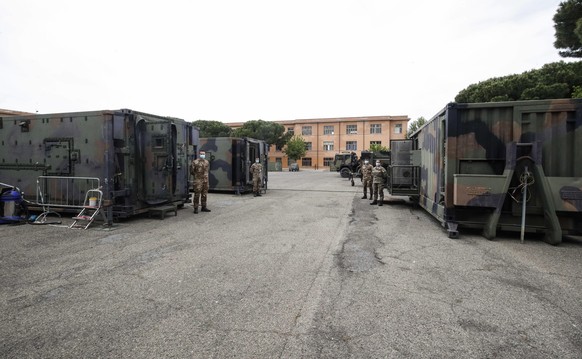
(378, 164)
(366, 162)
(256, 161)
(203, 156)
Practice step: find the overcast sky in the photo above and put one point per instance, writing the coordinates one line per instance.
(240, 60)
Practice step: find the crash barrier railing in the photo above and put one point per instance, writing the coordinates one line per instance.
(63, 192)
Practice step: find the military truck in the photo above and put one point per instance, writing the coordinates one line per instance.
(136, 160)
(230, 163)
(345, 163)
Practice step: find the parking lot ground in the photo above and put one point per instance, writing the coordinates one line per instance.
(307, 270)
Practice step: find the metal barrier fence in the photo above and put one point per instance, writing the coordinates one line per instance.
(64, 192)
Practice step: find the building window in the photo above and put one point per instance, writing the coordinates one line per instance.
(278, 147)
(375, 128)
(291, 130)
(351, 129)
(328, 130)
(306, 130)
(352, 145)
(306, 162)
(328, 145)
(327, 161)
(308, 146)
(398, 128)
(372, 143)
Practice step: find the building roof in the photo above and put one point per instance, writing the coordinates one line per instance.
(332, 119)
(4, 112)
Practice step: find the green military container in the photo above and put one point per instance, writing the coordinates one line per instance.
(513, 166)
(230, 163)
(137, 160)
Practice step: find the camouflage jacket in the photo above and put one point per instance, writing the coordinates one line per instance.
(379, 174)
(256, 169)
(199, 169)
(367, 171)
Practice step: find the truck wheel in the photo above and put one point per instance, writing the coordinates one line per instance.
(345, 172)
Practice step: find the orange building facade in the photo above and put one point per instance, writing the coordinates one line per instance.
(326, 137)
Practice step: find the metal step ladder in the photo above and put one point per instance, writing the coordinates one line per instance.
(91, 209)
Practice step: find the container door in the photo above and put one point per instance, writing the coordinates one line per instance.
(156, 143)
(252, 152)
(404, 173)
(58, 154)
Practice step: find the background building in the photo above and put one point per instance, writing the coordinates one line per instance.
(325, 137)
(7, 113)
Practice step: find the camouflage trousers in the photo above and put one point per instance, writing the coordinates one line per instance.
(256, 184)
(378, 191)
(200, 193)
(367, 183)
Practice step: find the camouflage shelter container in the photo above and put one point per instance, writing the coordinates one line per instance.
(473, 165)
(138, 160)
(230, 162)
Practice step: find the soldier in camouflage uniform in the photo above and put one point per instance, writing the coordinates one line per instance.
(199, 169)
(367, 178)
(379, 176)
(257, 170)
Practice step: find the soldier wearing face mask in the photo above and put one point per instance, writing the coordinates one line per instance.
(367, 178)
(199, 169)
(379, 176)
(257, 170)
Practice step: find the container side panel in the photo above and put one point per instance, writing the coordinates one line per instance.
(556, 130)
(52, 145)
(429, 141)
(219, 154)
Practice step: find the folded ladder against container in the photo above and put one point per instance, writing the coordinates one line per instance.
(91, 208)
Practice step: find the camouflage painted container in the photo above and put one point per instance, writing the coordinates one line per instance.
(230, 162)
(140, 160)
(476, 159)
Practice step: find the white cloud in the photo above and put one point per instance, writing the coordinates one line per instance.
(235, 60)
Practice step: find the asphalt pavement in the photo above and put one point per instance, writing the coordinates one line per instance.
(308, 270)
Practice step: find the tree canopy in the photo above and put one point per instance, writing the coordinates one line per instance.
(378, 148)
(270, 132)
(295, 148)
(415, 125)
(553, 80)
(213, 129)
(568, 26)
